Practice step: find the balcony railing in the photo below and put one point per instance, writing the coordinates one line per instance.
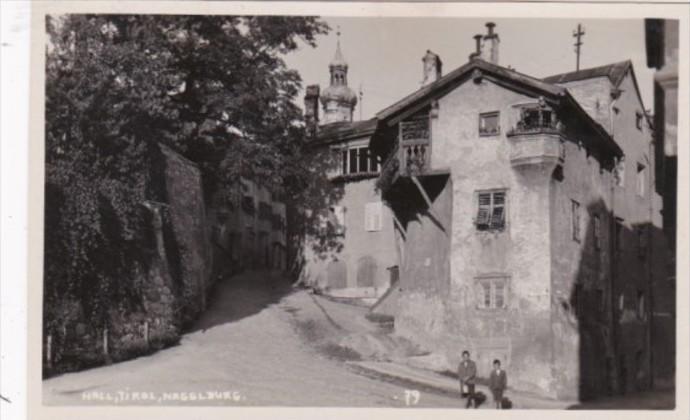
(536, 121)
(415, 157)
(415, 136)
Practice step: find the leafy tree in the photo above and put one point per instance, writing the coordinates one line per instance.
(215, 88)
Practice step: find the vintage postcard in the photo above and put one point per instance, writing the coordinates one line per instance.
(308, 209)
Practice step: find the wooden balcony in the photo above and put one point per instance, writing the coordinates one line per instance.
(415, 145)
(415, 157)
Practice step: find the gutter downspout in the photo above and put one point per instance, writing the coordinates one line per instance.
(613, 246)
(650, 251)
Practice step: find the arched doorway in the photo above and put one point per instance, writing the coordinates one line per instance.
(366, 271)
(337, 275)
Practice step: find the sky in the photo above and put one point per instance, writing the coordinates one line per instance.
(385, 54)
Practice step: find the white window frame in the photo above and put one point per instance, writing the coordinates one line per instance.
(346, 160)
(492, 281)
(482, 126)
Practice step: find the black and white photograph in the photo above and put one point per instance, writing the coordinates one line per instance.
(298, 209)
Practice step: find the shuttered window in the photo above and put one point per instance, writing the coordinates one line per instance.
(491, 210)
(373, 216)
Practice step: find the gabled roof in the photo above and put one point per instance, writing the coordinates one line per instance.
(338, 132)
(508, 78)
(449, 80)
(615, 72)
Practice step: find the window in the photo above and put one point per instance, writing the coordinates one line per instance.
(621, 302)
(535, 117)
(641, 242)
(619, 235)
(641, 179)
(358, 160)
(620, 172)
(248, 204)
(638, 120)
(640, 305)
(493, 293)
(372, 216)
(575, 216)
(491, 210)
(597, 232)
(601, 303)
(489, 124)
(336, 220)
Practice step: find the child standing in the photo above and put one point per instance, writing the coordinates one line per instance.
(497, 383)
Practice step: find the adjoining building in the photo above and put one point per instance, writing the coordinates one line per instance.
(662, 55)
(249, 228)
(349, 249)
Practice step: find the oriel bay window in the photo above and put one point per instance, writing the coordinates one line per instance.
(491, 210)
(359, 160)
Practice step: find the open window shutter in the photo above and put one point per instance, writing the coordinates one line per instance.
(483, 212)
(498, 218)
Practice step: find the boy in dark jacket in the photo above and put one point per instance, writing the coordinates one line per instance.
(498, 381)
(467, 370)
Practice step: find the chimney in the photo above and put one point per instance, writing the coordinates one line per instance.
(311, 109)
(478, 49)
(432, 67)
(490, 51)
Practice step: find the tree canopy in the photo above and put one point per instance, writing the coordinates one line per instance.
(214, 88)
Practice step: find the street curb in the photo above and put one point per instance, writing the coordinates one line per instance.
(370, 372)
(383, 371)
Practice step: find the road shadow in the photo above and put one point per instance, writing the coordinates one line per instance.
(246, 294)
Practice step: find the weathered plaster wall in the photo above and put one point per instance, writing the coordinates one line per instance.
(581, 325)
(519, 334)
(425, 270)
(594, 95)
(348, 251)
(635, 271)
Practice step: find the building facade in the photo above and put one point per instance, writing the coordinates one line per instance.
(526, 223)
(249, 228)
(662, 55)
(349, 249)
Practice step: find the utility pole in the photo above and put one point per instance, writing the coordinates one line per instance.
(577, 34)
(361, 101)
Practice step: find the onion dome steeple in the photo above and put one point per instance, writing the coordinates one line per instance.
(338, 100)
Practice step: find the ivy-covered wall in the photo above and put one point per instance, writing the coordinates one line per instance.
(167, 284)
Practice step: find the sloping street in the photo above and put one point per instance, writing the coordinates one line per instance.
(249, 346)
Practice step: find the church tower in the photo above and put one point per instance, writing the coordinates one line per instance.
(338, 100)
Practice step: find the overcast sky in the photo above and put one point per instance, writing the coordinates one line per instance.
(385, 54)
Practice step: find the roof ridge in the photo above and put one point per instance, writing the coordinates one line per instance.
(604, 70)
